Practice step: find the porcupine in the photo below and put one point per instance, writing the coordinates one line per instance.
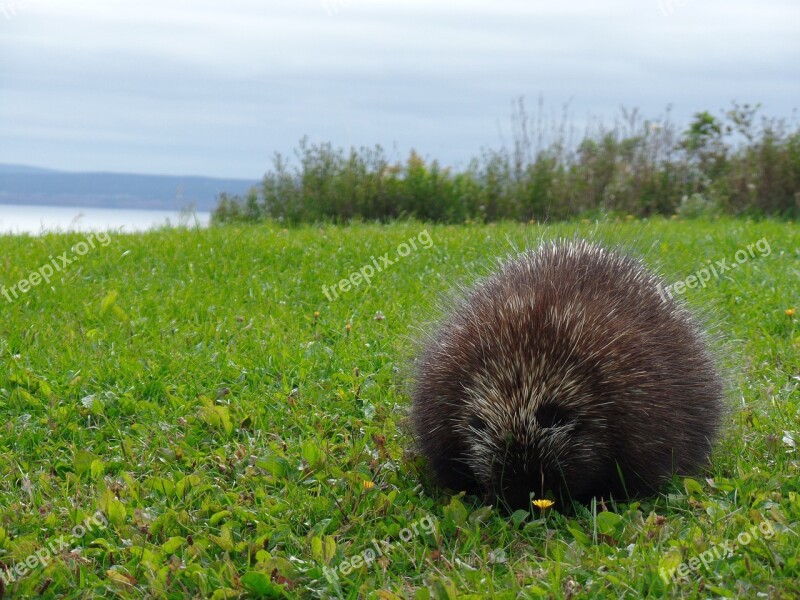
(570, 373)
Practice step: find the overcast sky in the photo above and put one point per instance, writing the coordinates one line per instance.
(216, 88)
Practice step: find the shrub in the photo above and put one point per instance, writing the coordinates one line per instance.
(731, 164)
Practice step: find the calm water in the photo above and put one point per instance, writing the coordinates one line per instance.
(36, 219)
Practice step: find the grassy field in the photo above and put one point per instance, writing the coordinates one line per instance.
(187, 414)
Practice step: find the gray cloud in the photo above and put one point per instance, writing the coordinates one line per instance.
(216, 88)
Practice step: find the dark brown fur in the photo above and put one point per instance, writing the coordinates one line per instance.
(567, 372)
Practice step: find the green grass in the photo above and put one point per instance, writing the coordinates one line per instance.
(180, 383)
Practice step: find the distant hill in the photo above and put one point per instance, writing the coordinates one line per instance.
(21, 184)
(23, 169)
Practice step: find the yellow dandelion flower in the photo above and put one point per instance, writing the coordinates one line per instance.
(316, 314)
(543, 503)
(790, 312)
(368, 485)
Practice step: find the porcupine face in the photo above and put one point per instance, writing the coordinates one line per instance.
(536, 443)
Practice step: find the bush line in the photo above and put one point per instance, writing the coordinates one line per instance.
(733, 164)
